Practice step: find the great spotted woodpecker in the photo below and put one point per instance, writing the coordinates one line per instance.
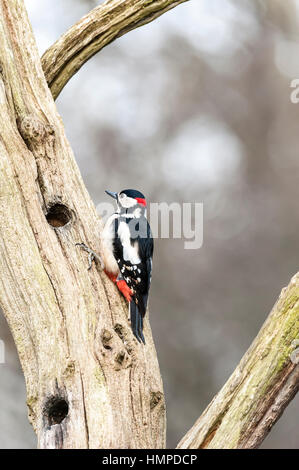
(126, 253)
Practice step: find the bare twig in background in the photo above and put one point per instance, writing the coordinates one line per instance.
(94, 31)
(266, 380)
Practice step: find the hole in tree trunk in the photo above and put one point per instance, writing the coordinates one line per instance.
(58, 215)
(56, 409)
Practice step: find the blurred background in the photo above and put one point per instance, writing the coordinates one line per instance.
(192, 107)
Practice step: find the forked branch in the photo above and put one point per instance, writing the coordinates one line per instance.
(99, 27)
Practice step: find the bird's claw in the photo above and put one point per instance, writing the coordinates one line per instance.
(91, 255)
(91, 258)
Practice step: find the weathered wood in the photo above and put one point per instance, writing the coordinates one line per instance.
(99, 27)
(89, 383)
(266, 380)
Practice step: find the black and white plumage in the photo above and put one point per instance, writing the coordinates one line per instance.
(127, 251)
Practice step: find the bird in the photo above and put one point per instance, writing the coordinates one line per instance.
(126, 253)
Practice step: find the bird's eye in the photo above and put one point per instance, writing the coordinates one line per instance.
(121, 196)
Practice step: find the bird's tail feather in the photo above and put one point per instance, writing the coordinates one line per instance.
(136, 322)
(142, 304)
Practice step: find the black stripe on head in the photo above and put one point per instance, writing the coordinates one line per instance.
(132, 193)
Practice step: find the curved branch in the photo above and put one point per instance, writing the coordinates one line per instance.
(258, 391)
(94, 31)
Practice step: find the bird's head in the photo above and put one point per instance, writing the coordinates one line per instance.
(130, 201)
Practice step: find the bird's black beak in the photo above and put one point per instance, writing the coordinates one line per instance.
(112, 194)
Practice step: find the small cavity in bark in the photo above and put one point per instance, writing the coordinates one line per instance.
(56, 410)
(120, 357)
(119, 329)
(106, 338)
(58, 215)
(155, 398)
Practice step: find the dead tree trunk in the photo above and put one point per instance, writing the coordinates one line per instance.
(89, 383)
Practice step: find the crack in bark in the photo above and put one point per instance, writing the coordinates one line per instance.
(85, 414)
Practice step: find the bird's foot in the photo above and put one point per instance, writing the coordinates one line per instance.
(121, 284)
(124, 289)
(92, 256)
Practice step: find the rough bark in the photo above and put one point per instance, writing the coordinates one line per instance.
(98, 28)
(89, 383)
(266, 380)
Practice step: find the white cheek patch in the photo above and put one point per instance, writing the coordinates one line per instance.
(130, 252)
(127, 202)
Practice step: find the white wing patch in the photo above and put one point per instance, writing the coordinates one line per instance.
(130, 251)
(107, 237)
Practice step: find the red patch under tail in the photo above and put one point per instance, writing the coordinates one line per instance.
(125, 290)
(122, 286)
